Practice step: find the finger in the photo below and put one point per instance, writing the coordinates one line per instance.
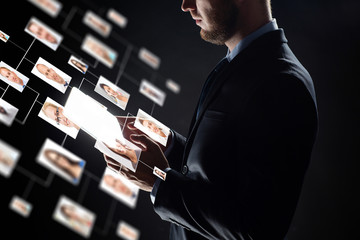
(112, 167)
(143, 140)
(140, 144)
(131, 126)
(110, 160)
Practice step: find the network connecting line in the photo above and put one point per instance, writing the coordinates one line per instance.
(121, 63)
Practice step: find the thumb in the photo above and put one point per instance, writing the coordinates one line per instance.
(143, 140)
(131, 126)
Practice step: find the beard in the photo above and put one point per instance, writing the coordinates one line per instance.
(223, 24)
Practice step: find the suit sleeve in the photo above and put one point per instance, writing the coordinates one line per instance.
(247, 166)
(175, 155)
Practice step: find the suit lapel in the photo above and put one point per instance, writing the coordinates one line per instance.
(238, 63)
(218, 82)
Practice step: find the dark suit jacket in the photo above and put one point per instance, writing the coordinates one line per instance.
(239, 173)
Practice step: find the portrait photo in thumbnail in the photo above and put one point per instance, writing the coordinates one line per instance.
(96, 23)
(127, 232)
(12, 77)
(74, 216)
(78, 64)
(3, 36)
(51, 75)
(9, 156)
(112, 92)
(126, 153)
(119, 187)
(61, 161)
(117, 18)
(50, 7)
(159, 173)
(43, 33)
(173, 86)
(99, 51)
(53, 113)
(152, 127)
(152, 92)
(20, 206)
(149, 58)
(7, 113)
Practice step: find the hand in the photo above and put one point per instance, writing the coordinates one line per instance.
(130, 129)
(124, 150)
(151, 155)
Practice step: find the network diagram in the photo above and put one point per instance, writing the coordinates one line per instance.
(93, 54)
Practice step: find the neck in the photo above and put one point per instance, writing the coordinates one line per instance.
(250, 19)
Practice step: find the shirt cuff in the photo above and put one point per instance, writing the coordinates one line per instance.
(156, 187)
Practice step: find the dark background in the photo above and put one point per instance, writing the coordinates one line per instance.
(323, 34)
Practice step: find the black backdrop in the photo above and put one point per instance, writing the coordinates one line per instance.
(323, 34)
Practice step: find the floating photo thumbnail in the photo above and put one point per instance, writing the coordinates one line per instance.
(7, 113)
(120, 188)
(53, 113)
(152, 127)
(112, 92)
(12, 77)
(9, 156)
(74, 216)
(43, 33)
(61, 161)
(51, 75)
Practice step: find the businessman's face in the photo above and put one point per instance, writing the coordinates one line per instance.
(216, 18)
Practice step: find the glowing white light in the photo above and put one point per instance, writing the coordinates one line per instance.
(92, 117)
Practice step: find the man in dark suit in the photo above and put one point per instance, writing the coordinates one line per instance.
(239, 172)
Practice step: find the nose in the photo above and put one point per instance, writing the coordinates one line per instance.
(188, 5)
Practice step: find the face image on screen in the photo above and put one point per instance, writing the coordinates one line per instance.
(152, 92)
(74, 216)
(12, 77)
(126, 231)
(112, 92)
(51, 75)
(149, 58)
(20, 206)
(119, 187)
(97, 23)
(4, 37)
(99, 51)
(7, 113)
(61, 161)
(53, 113)
(78, 64)
(43, 33)
(50, 7)
(152, 127)
(9, 156)
(117, 18)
